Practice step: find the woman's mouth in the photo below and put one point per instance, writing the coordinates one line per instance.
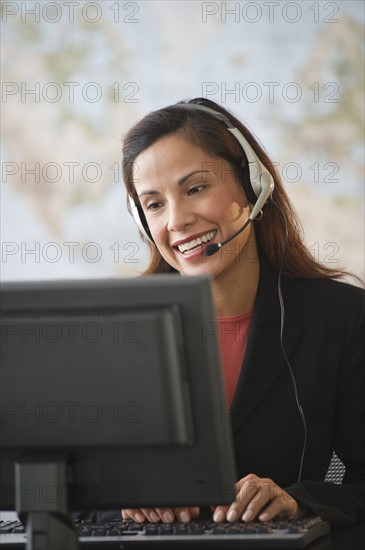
(195, 245)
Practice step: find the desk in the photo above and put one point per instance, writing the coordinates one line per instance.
(342, 538)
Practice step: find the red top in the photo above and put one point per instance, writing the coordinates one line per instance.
(233, 333)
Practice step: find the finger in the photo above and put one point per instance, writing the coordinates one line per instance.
(284, 504)
(133, 513)
(166, 515)
(151, 515)
(247, 494)
(182, 514)
(234, 510)
(220, 513)
(267, 492)
(194, 512)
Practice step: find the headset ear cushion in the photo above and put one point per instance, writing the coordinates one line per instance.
(139, 217)
(144, 224)
(246, 184)
(142, 217)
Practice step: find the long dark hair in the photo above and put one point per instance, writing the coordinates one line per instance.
(212, 136)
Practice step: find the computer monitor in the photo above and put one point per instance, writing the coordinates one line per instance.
(109, 396)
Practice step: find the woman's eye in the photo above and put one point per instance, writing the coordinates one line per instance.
(196, 189)
(153, 205)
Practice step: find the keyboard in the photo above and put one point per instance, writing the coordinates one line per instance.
(199, 534)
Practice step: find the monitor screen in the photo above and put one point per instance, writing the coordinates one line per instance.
(120, 380)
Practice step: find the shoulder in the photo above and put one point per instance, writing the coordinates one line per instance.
(327, 298)
(327, 287)
(333, 295)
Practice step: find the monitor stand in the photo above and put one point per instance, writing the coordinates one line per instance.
(41, 503)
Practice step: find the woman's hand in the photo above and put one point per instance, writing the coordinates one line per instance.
(257, 498)
(166, 515)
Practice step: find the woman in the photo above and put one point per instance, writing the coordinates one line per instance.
(290, 333)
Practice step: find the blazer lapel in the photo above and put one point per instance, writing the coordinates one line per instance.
(263, 360)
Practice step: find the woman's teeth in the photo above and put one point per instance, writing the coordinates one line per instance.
(185, 247)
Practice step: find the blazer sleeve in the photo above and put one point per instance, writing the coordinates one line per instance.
(344, 504)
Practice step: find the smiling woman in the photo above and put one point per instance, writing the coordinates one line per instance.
(208, 200)
(183, 202)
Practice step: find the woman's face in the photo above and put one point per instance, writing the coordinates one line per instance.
(191, 199)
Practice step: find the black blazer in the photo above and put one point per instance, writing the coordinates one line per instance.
(324, 343)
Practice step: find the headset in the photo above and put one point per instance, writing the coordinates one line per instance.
(258, 187)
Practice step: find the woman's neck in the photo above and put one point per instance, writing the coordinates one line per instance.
(235, 290)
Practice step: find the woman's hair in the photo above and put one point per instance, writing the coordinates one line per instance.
(212, 136)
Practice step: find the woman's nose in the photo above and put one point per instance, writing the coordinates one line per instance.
(179, 216)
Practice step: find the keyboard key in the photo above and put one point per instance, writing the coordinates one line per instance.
(98, 532)
(233, 530)
(249, 530)
(263, 530)
(181, 530)
(7, 526)
(196, 530)
(136, 527)
(165, 530)
(151, 530)
(114, 532)
(218, 530)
